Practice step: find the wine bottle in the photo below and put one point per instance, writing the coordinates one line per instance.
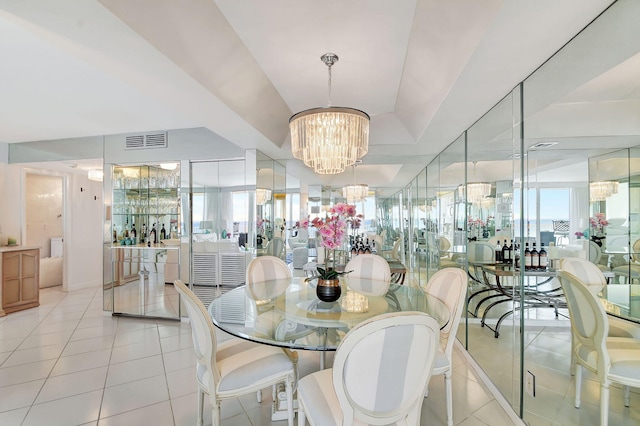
(498, 251)
(153, 235)
(542, 265)
(527, 257)
(511, 249)
(535, 258)
(163, 233)
(133, 232)
(143, 233)
(505, 253)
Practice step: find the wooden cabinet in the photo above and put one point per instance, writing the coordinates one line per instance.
(20, 279)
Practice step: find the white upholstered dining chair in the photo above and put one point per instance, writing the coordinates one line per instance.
(380, 373)
(236, 367)
(369, 266)
(450, 286)
(266, 268)
(610, 363)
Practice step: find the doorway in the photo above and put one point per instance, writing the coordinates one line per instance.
(44, 224)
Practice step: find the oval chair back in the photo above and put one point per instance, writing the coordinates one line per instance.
(267, 268)
(369, 266)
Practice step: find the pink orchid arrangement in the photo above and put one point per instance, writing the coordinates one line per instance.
(302, 224)
(333, 229)
(598, 222)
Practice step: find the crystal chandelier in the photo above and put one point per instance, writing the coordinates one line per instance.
(262, 196)
(332, 138)
(355, 192)
(603, 189)
(475, 191)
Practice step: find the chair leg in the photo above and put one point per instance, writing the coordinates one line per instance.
(604, 404)
(626, 395)
(449, 393)
(578, 385)
(200, 407)
(215, 413)
(301, 416)
(289, 390)
(259, 396)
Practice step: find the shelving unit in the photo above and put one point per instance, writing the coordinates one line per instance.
(144, 198)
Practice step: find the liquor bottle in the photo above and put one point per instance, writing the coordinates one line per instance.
(527, 257)
(143, 233)
(163, 233)
(498, 251)
(505, 253)
(542, 265)
(133, 232)
(516, 255)
(126, 228)
(115, 233)
(153, 235)
(511, 254)
(535, 258)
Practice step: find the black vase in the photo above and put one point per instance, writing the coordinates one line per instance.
(328, 290)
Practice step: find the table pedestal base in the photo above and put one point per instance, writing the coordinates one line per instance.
(279, 407)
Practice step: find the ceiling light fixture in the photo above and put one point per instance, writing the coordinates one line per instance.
(602, 189)
(332, 138)
(95, 175)
(262, 196)
(475, 191)
(168, 166)
(356, 191)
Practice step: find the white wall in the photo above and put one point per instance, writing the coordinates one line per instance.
(83, 238)
(10, 207)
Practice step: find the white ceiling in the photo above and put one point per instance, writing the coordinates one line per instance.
(425, 70)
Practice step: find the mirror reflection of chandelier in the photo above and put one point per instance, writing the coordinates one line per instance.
(603, 189)
(355, 192)
(262, 196)
(332, 138)
(475, 191)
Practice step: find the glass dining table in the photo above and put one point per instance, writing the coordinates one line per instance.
(288, 314)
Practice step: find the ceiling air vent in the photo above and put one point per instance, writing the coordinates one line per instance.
(148, 141)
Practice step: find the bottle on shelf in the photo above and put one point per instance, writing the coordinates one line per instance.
(115, 233)
(143, 233)
(498, 250)
(505, 253)
(527, 257)
(133, 231)
(535, 258)
(126, 229)
(543, 258)
(153, 235)
(516, 255)
(163, 233)
(511, 251)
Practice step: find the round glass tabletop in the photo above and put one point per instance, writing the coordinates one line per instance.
(287, 312)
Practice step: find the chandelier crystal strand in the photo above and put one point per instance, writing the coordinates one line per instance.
(329, 139)
(355, 192)
(601, 190)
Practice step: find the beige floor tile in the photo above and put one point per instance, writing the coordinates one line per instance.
(72, 384)
(133, 395)
(36, 354)
(137, 369)
(73, 410)
(80, 362)
(157, 415)
(18, 396)
(26, 372)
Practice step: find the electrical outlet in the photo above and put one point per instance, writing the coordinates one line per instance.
(531, 383)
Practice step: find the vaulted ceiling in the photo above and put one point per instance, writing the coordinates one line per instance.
(425, 70)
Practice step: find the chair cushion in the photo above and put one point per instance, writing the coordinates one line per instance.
(243, 363)
(319, 398)
(626, 270)
(623, 352)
